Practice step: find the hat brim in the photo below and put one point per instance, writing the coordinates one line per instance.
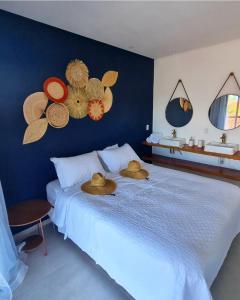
(141, 174)
(107, 189)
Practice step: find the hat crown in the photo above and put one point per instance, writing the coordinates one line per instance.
(98, 179)
(134, 166)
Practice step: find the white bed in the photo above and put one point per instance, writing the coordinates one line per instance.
(164, 238)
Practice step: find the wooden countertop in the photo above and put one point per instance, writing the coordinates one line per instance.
(195, 150)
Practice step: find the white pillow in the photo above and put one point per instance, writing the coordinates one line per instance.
(76, 169)
(117, 159)
(99, 155)
(115, 146)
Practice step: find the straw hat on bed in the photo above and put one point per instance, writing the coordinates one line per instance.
(99, 185)
(134, 171)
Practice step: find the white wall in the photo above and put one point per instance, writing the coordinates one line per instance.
(203, 72)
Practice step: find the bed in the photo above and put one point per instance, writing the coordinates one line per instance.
(163, 238)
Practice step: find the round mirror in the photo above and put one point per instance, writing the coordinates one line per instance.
(179, 112)
(224, 113)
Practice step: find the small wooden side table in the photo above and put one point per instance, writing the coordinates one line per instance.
(30, 212)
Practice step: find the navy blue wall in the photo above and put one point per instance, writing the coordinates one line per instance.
(30, 52)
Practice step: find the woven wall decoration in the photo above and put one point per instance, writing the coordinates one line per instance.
(107, 99)
(77, 102)
(77, 73)
(57, 115)
(109, 78)
(82, 97)
(35, 131)
(34, 106)
(55, 89)
(95, 109)
(95, 89)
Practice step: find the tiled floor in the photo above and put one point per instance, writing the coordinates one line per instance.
(69, 274)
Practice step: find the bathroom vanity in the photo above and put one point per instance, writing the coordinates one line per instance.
(195, 166)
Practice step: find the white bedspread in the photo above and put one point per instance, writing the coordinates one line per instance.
(164, 238)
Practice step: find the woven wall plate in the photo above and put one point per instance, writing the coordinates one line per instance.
(181, 101)
(110, 78)
(95, 89)
(57, 115)
(95, 109)
(55, 89)
(34, 106)
(35, 131)
(77, 73)
(107, 100)
(77, 103)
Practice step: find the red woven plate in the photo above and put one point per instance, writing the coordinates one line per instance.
(95, 109)
(55, 89)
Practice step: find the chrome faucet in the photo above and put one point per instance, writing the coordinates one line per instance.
(223, 138)
(174, 133)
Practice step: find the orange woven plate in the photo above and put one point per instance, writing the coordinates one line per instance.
(55, 89)
(95, 109)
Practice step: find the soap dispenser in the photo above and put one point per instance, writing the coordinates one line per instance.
(191, 142)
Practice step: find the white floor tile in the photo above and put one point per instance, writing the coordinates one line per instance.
(67, 273)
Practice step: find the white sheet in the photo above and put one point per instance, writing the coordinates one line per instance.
(165, 238)
(53, 188)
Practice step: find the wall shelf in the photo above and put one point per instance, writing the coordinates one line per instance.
(194, 166)
(196, 150)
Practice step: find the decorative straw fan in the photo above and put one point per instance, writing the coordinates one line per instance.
(34, 106)
(35, 131)
(109, 78)
(107, 100)
(77, 73)
(57, 115)
(95, 109)
(77, 103)
(95, 89)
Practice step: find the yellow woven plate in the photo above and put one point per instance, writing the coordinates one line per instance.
(77, 103)
(95, 89)
(57, 115)
(77, 73)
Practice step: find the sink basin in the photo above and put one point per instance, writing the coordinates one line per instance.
(174, 142)
(222, 148)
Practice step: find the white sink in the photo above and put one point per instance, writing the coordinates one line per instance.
(222, 148)
(174, 142)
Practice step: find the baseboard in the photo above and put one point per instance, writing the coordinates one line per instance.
(28, 231)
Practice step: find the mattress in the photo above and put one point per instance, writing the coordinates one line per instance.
(162, 238)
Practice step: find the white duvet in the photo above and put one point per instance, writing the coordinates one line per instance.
(164, 238)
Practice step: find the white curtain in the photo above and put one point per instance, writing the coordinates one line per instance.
(12, 269)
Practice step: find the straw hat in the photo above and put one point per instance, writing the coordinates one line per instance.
(77, 102)
(134, 171)
(99, 185)
(57, 115)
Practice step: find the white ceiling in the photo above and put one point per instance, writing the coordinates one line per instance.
(153, 29)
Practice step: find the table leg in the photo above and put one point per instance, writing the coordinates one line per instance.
(43, 237)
